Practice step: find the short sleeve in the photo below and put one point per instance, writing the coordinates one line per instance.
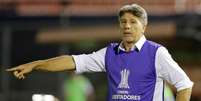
(169, 70)
(94, 62)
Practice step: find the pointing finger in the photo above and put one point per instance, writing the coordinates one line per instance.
(13, 69)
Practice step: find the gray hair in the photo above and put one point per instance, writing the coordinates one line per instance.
(136, 10)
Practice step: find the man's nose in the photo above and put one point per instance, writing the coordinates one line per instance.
(127, 26)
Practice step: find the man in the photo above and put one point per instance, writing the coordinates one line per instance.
(136, 68)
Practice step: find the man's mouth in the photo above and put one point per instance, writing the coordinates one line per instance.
(127, 33)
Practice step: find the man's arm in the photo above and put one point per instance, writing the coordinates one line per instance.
(184, 95)
(170, 71)
(60, 63)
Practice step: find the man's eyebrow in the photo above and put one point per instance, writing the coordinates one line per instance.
(123, 19)
(133, 19)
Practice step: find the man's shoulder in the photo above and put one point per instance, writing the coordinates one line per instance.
(113, 44)
(113, 47)
(154, 44)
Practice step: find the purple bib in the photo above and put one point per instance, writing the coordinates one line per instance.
(131, 75)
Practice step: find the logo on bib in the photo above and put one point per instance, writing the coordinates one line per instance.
(124, 79)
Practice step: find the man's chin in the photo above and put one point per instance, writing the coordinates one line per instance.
(128, 40)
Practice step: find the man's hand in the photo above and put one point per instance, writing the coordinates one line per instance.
(21, 70)
(60, 63)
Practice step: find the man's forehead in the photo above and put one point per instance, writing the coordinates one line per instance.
(128, 16)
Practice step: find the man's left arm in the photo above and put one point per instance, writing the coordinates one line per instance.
(184, 95)
(173, 73)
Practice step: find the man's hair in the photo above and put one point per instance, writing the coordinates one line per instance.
(136, 10)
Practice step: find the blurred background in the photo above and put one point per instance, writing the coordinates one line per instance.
(40, 29)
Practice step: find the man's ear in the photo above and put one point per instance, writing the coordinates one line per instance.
(144, 28)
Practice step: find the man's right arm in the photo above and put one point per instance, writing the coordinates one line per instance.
(60, 63)
(94, 62)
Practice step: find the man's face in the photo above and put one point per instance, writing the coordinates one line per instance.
(131, 28)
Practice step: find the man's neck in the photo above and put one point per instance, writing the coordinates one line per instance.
(128, 46)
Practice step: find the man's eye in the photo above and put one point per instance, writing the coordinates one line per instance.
(133, 22)
(123, 21)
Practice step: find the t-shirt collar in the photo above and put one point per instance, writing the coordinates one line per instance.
(137, 45)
